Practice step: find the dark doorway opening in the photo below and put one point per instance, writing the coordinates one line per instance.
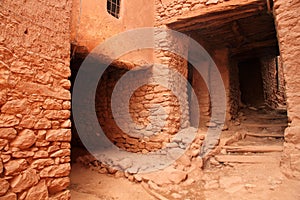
(251, 82)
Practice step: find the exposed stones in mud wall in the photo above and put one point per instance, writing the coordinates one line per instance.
(154, 121)
(281, 96)
(235, 93)
(166, 9)
(185, 169)
(202, 93)
(273, 93)
(288, 30)
(157, 112)
(34, 99)
(175, 72)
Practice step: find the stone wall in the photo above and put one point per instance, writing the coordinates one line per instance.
(273, 81)
(234, 90)
(166, 9)
(149, 107)
(281, 96)
(288, 31)
(270, 85)
(34, 99)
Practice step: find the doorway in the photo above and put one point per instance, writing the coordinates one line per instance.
(251, 82)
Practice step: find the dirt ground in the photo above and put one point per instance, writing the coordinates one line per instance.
(91, 185)
(218, 180)
(239, 182)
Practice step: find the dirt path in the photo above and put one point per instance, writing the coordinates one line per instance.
(227, 180)
(238, 182)
(250, 181)
(90, 185)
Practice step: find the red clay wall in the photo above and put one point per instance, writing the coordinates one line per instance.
(92, 24)
(288, 29)
(34, 99)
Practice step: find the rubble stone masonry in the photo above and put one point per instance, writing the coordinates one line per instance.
(34, 99)
(288, 30)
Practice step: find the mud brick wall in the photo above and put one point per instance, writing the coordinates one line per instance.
(288, 31)
(34, 99)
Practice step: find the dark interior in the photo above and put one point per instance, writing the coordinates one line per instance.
(251, 83)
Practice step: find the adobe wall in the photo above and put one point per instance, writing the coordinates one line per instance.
(34, 99)
(288, 31)
(91, 24)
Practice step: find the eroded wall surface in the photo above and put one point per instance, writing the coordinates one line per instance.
(288, 30)
(34, 99)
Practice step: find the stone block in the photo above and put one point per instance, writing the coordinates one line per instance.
(3, 143)
(8, 133)
(292, 135)
(9, 196)
(22, 154)
(57, 114)
(8, 120)
(43, 123)
(51, 104)
(176, 176)
(1, 166)
(44, 90)
(62, 135)
(56, 170)
(66, 124)
(38, 192)
(28, 121)
(24, 180)
(66, 105)
(24, 140)
(41, 163)
(65, 195)
(4, 186)
(3, 96)
(58, 185)
(15, 166)
(41, 154)
(16, 106)
(61, 153)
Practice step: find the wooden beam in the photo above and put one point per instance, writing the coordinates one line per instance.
(218, 14)
(254, 45)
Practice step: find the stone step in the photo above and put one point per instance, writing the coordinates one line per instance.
(271, 117)
(274, 135)
(247, 159)
(266, 125)
(253, 149)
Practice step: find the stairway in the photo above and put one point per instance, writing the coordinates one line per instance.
(258, 138)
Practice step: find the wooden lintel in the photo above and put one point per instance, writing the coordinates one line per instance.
(227, 11)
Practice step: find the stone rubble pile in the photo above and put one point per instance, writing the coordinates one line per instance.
(173, 171)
